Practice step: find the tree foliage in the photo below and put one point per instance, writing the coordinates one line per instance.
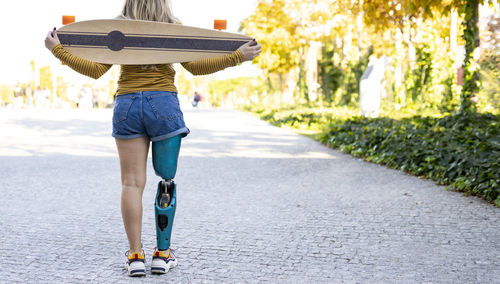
(275, 30)
(415, 33)
(285, 28)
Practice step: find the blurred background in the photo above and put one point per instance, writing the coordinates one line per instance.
(411, 55)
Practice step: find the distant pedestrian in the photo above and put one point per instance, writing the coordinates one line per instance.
(18, 97)
(196, 99)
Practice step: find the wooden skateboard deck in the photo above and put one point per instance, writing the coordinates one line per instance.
(130, 42)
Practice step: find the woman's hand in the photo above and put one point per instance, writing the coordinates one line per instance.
(250, 50)
(51, 40)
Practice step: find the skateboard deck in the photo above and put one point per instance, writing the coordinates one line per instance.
(131, 42)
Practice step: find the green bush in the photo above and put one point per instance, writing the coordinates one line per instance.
(462, 151)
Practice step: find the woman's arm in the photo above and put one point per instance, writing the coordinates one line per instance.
(246, 52)
(212, 65)
(82, 66)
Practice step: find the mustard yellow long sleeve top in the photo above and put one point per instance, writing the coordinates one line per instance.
(135, 78)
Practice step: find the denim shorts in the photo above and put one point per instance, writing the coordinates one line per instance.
(155, 114)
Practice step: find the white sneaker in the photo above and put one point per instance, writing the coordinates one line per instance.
(135, 264)
(162, 262)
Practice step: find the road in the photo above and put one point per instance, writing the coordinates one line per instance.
(256, 204)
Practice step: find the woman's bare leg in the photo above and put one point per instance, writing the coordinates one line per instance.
(133, 160)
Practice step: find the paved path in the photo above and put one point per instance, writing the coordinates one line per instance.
(256, 204)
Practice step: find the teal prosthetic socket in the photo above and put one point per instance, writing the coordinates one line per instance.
(165, 156)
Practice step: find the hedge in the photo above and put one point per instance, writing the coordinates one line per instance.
(461, 151)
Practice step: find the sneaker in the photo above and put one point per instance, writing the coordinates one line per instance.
(163, 262)
(135, 264)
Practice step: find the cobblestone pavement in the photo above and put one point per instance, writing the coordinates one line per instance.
(256, 204)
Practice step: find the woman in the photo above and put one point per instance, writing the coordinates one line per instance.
(147, 109)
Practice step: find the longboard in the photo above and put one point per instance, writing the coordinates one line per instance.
(131, 42)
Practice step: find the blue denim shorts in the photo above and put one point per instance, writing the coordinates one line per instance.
(155, 114)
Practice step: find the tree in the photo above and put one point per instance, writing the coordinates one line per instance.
(285, 30)
(46, 78)
(472, 82)
(400, 18)
(275, 30)
(471, 64)
(33, 70)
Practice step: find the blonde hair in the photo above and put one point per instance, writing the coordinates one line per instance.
(149, 10)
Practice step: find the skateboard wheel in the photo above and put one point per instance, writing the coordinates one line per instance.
(220, 24)
(68, 19)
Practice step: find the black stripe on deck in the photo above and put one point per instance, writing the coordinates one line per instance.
(117, 41)
(158, 35)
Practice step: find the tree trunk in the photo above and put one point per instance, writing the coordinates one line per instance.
(398, 73)
(359, 24)
(411, 48)
(312, 70)
(471, 67)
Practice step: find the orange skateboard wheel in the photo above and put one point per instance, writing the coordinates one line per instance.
(68, 19)
(220, 24)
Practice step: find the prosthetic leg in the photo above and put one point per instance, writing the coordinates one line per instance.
(165, 155)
